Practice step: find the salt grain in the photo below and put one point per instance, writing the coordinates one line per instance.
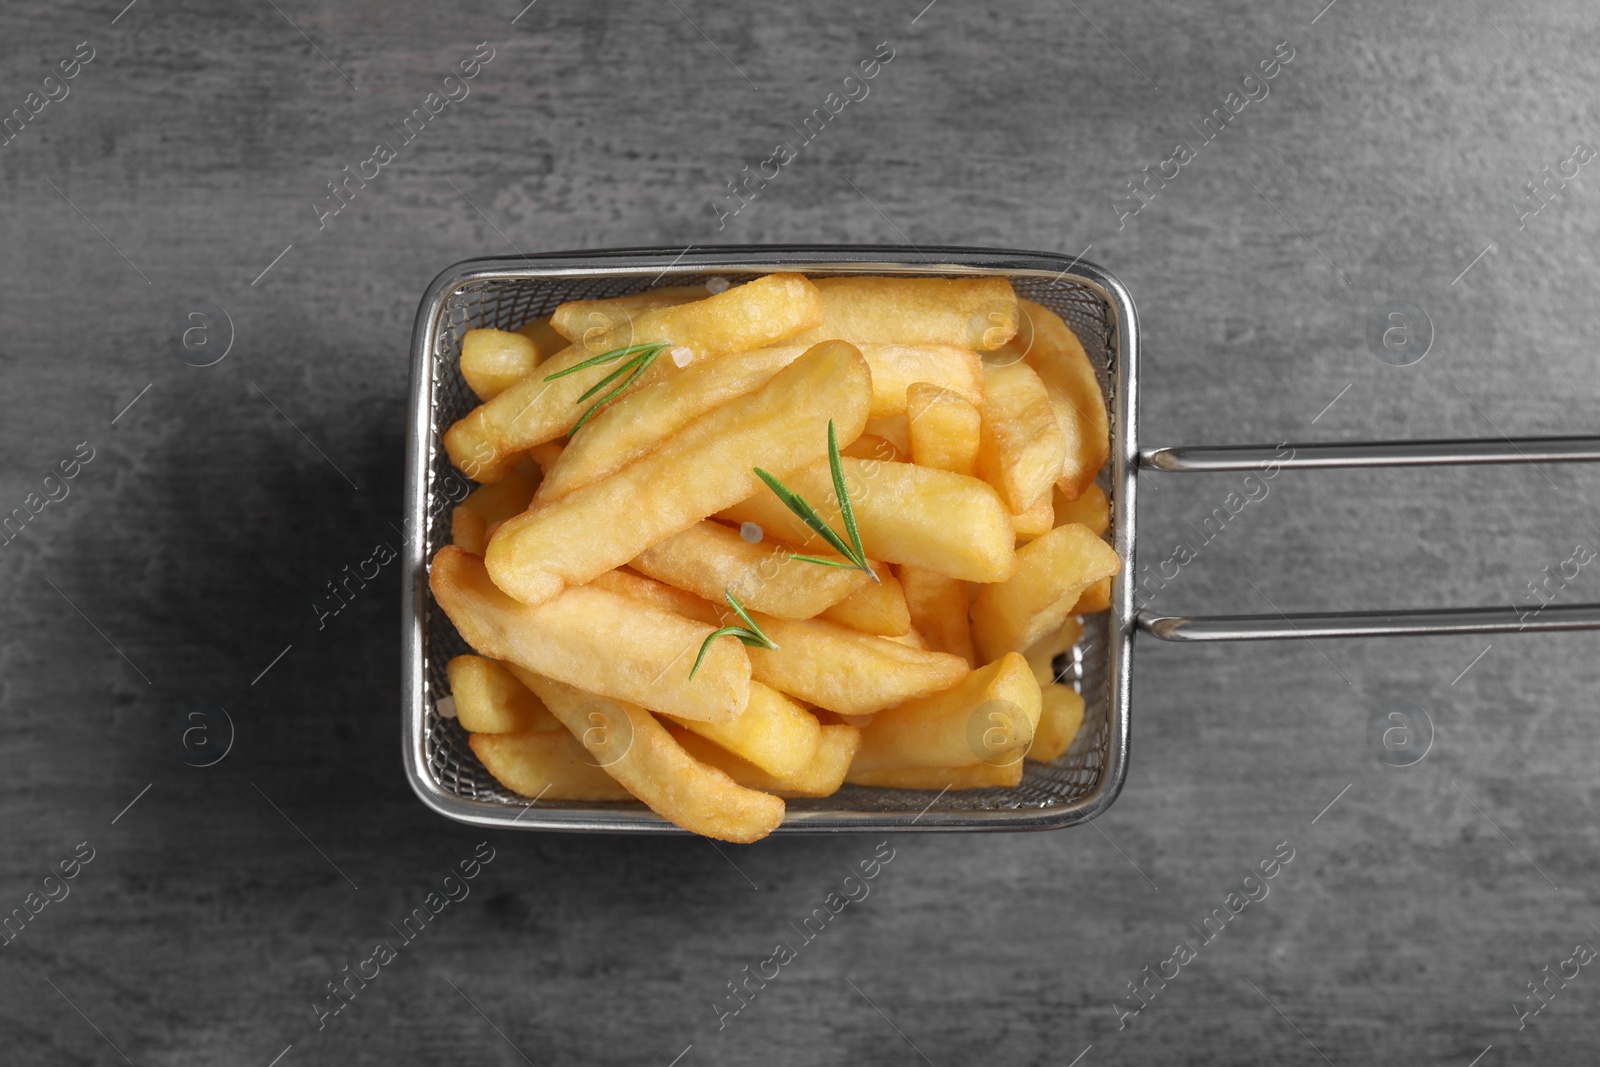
(683, 355)
(717, 285)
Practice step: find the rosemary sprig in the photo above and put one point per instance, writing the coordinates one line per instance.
(749, 633)
(642, 357)
(855, 557)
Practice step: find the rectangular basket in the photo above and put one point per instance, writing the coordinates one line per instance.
(504, 293)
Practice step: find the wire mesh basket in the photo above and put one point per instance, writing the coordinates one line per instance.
(505, 293)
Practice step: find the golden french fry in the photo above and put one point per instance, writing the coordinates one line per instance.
(665, 597)
(844, 670)
(490, 701)
(615, 645)
(492, 361)
(820, 777)
(536, 409)
(1060, 717)
(489, 505)
(938, 609)
(895, 368)
(987, 717)
(638, 420)
(574, 318)
(1091, 508)
(871, 446)
(1041, 655)
(468, 531)
(544, 336)
(1052, 572)
(1038, 518)
(547, 764)
(1095, 598)
(979, 313)
(706, 466)
(894, 429)
(944, 429)
(638, 752)
(1055, 352)
(912, 639)
(1021, 445)
(774, 733)
(710, 559)
(874, 608)
(906, 514)
(975, 776)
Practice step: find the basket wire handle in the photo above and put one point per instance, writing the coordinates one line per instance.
(1188, 459)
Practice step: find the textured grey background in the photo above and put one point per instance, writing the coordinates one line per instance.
(1387, 157)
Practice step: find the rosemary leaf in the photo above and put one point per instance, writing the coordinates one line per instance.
(643, 366)
(846, 512)
(808, 515)
(749, 634)
(604, 357)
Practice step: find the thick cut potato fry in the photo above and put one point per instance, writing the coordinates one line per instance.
(546, 456)
(490, 701)
(638, 752)
(874, 608)
(906, 514)
(944, 429)
(955, 779)
(492, 361)
(987, 717)
(1095, 598)
(895, 368)
(710, 559)
(844, 670)
(1055, 352)
(544, 336)
(1052, 572)
(1060, 717)
(665, 597)
(895, 430)
(576, 317)
(979, 313)
(938, 609)
(489, 505)
(1041, 655)
(1021, 445)
(1039, 518)
(769, 309)
(638, 420)
(774, 733)
(1091, 508)
(820, 777)
(871, 446)
(547, 764)
(701, 469)
(615, 645)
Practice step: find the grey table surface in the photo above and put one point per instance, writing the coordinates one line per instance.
(1387, 161)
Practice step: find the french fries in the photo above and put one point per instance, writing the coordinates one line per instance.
(489, 700)
(907, 514)
(1021, 447)
(988, 716)
(576, 317)
(884, 604)
(844, 670)
(822, 775)
(874, 608)
(618, 646)
(639, 753)
(538, 409)
(774, 733)
(701, 469)
(545, 764)
(492, 361)
(1057, 355)
(709, 559)
(980, 313)
(938, 608)
(944, 429)
(1052, 572)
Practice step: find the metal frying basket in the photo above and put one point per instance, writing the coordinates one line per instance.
(504, 293)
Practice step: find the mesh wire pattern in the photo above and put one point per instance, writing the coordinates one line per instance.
(506, 303)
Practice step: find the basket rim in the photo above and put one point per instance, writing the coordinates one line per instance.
(421, 446)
